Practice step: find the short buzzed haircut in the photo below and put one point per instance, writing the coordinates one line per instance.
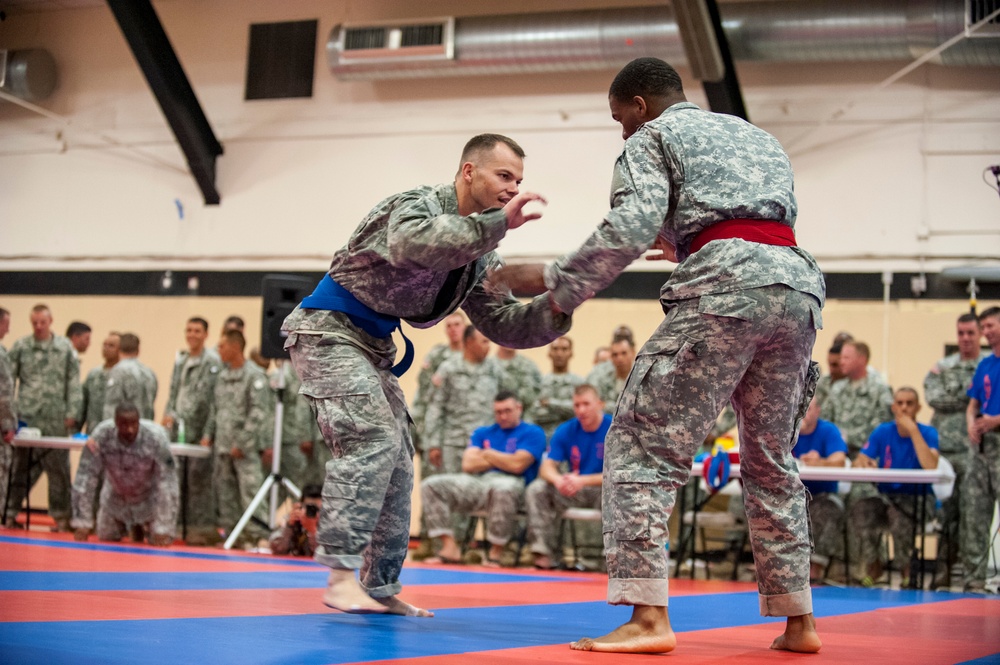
(126, 409)
(586, 388)
(234, 321)
(990, 312)
(41, 307)
(646, 78)
(505, 395)
(908, 389)
(128, 343)
(469, 331)
(860, 347)
(3, 313)
(77, 328)
(484, 143)
(968, 317)
(200, 321)
(236, 337)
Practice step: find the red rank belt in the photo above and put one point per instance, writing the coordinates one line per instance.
(764, 231)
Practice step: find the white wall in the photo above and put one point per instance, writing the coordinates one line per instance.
(877, 185)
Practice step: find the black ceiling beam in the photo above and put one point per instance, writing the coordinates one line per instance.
(151, 47)
(724, 96)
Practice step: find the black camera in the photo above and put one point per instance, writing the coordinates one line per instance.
(311, 510)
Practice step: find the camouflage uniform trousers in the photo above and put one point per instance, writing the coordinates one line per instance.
(895, 513)
(361, 410)
(949, 548)
(545, 508)
(498, 494)
(236, 482)
(157, 514)
(752, 347)
(55, 464)
(826, 521)
(979, 496)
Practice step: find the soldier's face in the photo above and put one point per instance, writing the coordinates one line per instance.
(41, 324)
(589, 410)
(453, 328)
(228, 351)
(127, 425)
(629, 114)
(836, 369)
(81, 342)
(478, 347)
(109, 349)
(195, 335)
(507, 413)
(494, 178)
(991, 330)
(560, 352)
(905, 403)
(851, 362)
(812, 415)
(968, 338)
(622, 355)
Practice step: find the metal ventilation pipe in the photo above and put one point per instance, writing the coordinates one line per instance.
(788, 31)
(29, 74)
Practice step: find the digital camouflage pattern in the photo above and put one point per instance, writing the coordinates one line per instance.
(396, 262)
(498, 494)
(8, 418)
(425, 385)
(945, 389)
(727, 306)
(857, 408)
(823, 388)
(521, 376)
(609, 387)
(192, 391)
(238, 419)
(130, 381)
(554, 404)
(826, 518)
(48, 393)
(140, 485)
(462, 403)
(92, 406)
(545, 506)
(979, 499)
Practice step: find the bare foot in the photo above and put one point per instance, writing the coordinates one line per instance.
(542, 562)
(345, 594)
(800, 635)
(648, 631)
(394, 605)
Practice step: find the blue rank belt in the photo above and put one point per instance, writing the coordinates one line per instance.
(331, 296)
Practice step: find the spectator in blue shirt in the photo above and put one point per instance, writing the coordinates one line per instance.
(900, 444)
(578, 445)
(821, 444)
(499, 462)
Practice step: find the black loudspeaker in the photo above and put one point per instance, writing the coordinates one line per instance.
(281, 294)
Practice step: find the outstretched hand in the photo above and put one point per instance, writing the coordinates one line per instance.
(520, 278)
(514, 209)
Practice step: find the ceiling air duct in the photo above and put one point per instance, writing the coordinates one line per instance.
(28, 74)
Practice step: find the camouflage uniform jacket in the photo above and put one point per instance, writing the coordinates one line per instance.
(604, 378)
(198, 376)
(463, 402)
(858, 407)
(557, 391)
(142, 474)
(425, 384)
(8, 411)
(129, 381)
(945, 389)
(239, 414)
(48, 377)
(667, 182)
(401, 255)
(522, 377)
(823, 387)
(92, 406)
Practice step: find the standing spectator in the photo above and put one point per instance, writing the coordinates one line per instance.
(47, 373)
(578, 445)
(8, 415)
(820, 444)
(130, 380)
(95, 385)
(982, 480)
(861, 403)
(462, 402)
(521, 375)
(602, 354)
(946, 389)
(78, 334)
(902, 443)
(554, 405)
(140, 490)
(236, 425)
(500, 461)
(192, 387)
(610, 379)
